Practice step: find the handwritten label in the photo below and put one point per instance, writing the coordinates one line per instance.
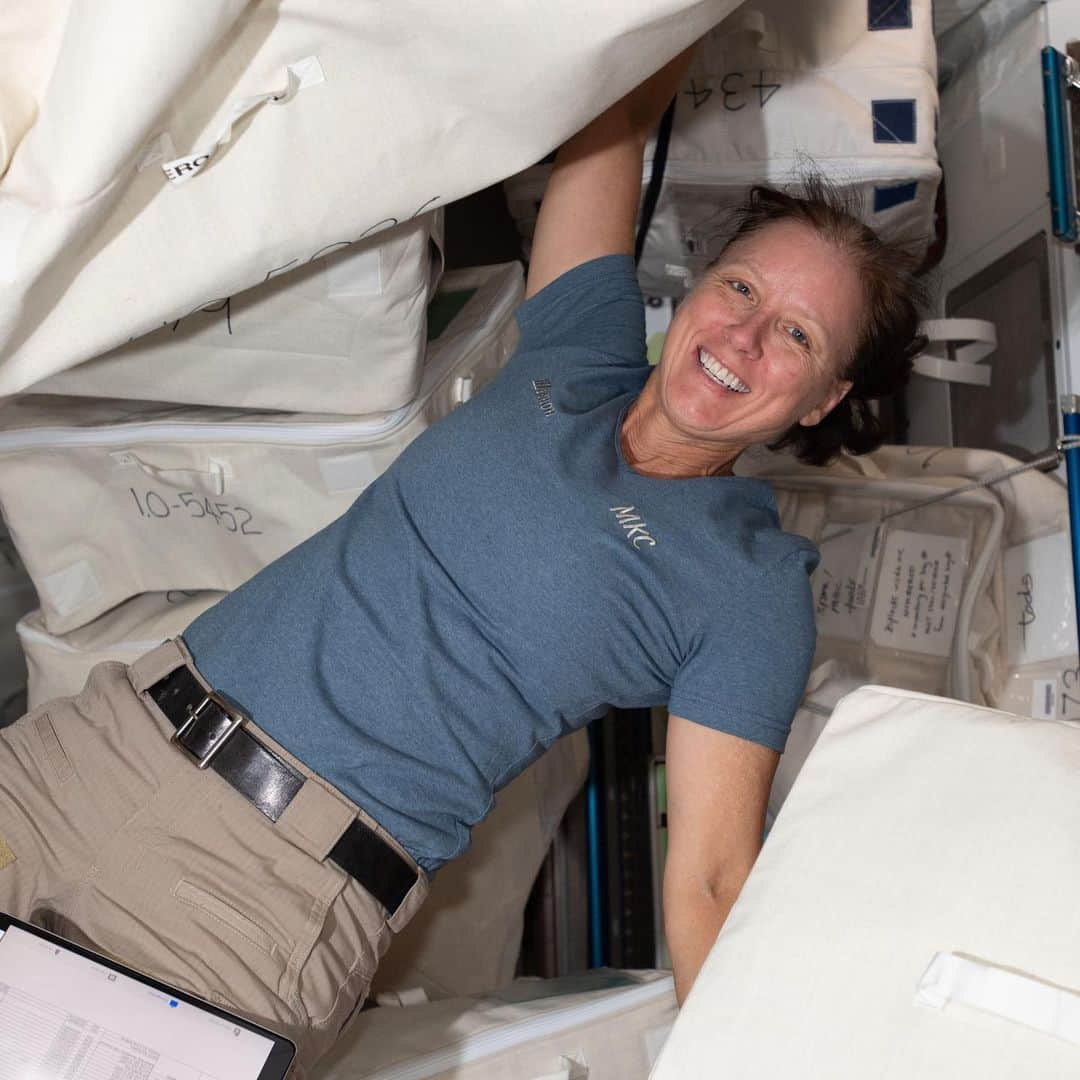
(154, 505)
(1039, 605)
(843, 583)
(919, 589)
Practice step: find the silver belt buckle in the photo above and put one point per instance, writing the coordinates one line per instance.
(236, 721)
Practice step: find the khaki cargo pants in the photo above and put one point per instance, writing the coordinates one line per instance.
(112, 837)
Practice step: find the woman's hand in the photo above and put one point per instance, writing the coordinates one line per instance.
(591, 203)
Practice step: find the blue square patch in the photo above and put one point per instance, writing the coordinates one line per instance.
(885, 198)
(894, 121)
(888, 14)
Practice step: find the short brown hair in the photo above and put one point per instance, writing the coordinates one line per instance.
(889, 337)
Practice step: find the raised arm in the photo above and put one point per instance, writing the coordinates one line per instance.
(591, 202)
(718, 788)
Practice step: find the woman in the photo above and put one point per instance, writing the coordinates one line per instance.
(571, 538)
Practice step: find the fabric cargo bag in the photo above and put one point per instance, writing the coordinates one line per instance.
(466, 938)
(850, 88)
(158, 158)
(912, 913)
(172, 497)
(907, 591)
(57, 665)
(599, 1025)
(343, 333)
(1014, 636)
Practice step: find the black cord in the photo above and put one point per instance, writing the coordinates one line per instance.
(656, 178)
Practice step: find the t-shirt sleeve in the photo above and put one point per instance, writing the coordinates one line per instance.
(597, 305)
(746, 675)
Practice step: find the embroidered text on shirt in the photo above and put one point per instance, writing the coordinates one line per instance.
(542, 389)
(636, 530)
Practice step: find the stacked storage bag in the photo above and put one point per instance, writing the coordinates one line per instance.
(343, 333)
(157, 158)
(913, 910)
(851, 85)
(599, 1025)
(196, 498)
(999, 630)
(57, 664)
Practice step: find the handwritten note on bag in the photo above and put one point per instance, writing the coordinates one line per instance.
(920, 585)
(843, 583)
(1040, 622)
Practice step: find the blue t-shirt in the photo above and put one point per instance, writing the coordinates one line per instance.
(507, 579)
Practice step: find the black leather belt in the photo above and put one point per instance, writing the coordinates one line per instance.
(211, 730)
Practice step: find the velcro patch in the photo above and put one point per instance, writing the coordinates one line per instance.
(7, 856)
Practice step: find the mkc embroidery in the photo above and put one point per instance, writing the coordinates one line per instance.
(637, 531)
(542, 389)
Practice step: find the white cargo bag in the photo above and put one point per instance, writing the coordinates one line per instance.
(911, 599)
(16, 598)
(912, 913)
(466, 938)
(344, 333)
(1020, 649)
(181, 153)
(598, 1025)
(850, 85)
(170, 497)
(57, 665)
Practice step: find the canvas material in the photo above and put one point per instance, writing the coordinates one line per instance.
(58, 665)
(467, 937)
(394, 1043)
(1033, 543)
(919, 825)
(771, 84)
(372, 139)
(274, 493)
(344, 333)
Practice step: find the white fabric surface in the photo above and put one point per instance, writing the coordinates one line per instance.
(774, 83)
(57, 665)
(173, 497)
(599, 1025)
(918, 826)
(419, 103)
(342, 334)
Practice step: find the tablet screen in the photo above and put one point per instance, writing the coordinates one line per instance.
(64, 1015)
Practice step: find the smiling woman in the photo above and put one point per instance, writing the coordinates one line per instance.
(806, 315)
(802, 321)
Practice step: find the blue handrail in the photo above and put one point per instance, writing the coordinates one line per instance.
(1059, 156)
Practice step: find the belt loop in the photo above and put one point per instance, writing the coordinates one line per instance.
(153, 666)
(315, 819)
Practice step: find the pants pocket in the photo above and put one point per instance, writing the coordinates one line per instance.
(201, 890)
(229, 917)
